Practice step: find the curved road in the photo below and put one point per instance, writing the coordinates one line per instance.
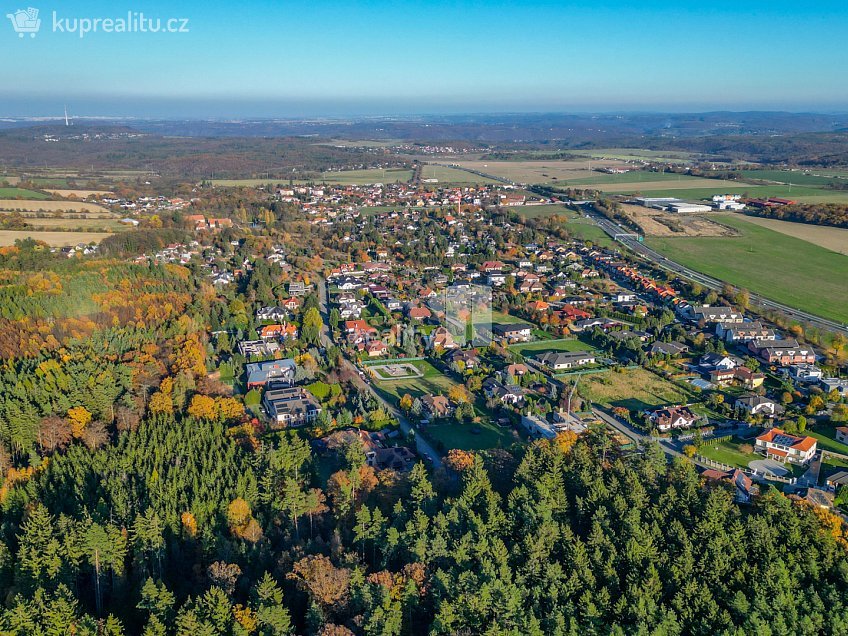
(707, 281)
(422, 445)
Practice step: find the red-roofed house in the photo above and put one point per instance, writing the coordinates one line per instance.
(777, 444)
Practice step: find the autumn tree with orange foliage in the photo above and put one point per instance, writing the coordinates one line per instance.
(459, 460)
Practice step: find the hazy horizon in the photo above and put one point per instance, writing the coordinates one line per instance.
(267, 59)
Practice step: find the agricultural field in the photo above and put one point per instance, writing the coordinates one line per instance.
(540, 171)
(340, 177)
(780, 267)
(802, 194)
(831, 238)
(821, 177)
(50, 206)
(88, 224)
(635, 389)
(79, 194)
(54, 239)
(634, 176)
(638, 154)
(651, 184)
(453, 176)
(11, 193)
(530, 349)
(364, 177)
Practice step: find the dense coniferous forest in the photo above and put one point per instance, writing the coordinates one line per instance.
(139, 498)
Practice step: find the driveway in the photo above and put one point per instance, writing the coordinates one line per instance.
(769, 466)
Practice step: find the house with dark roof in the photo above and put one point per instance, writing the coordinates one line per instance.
(667, 349)
(758, 405)
(673, 417)
(562, 360)
(290, 406)
(514, 332)
(278, 371)
(436, 406)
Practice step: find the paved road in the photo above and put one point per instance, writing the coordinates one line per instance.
(422, 445)
(707, 281)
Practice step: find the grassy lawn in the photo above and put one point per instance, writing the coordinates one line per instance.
(781, 267)
(12, 193)
(535, 348)
(433, 381)
(635, 389)
(830, 466)
(575, 223)
(501, 318)
(453, 435)
(727, 452)
(826, 437)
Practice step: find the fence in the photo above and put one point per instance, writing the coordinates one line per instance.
(748, 471)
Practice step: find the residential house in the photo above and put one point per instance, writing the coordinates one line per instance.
(398, 458)
(418, 313)
(436, 406)
(782, 352)
(711, 315)
(758, 405)
(516, 370)
(469, 358)
(805, 373)
(441, 337)
(840, 385)
(514, 332)
(673, 417)
(783, 447)
(275, 314)
(837, 480)
(745, 332)
(538, 427)
(667, 349)
(842, 434)
(376, 348)
(290, 406)
(744, 488)
(297, 288)
(278, 371)
(561, 360)
(258, 348)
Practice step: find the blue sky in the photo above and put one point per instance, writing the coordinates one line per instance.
(338, 58)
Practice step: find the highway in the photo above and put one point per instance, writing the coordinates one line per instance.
(422, 445)
(709, 282)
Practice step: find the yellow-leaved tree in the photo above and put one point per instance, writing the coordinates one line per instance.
(79, 417)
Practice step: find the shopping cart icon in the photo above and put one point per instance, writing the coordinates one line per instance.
(25, 21)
